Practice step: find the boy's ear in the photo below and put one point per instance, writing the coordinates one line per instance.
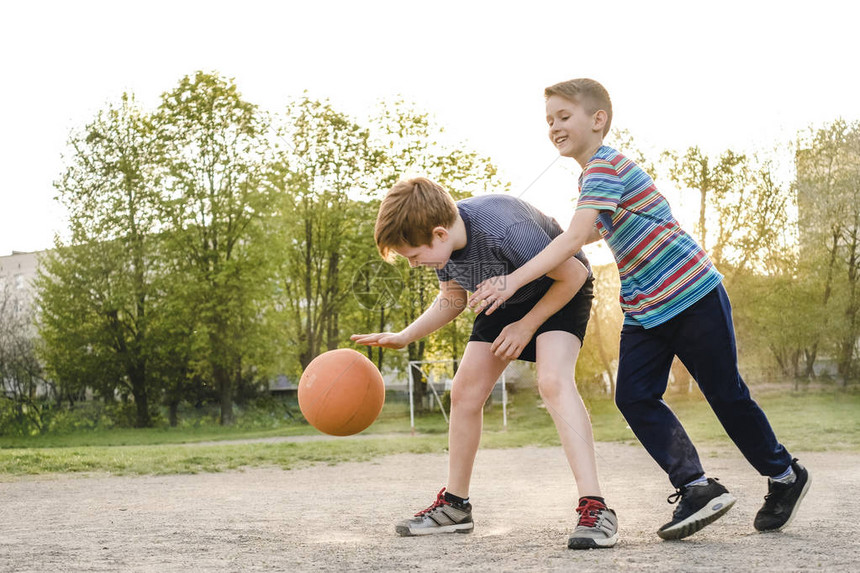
(441, 232)
(599, 120)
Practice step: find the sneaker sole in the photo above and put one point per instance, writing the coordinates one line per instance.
(715, 509)
(405, 531)
(589, 543)
(793, 511)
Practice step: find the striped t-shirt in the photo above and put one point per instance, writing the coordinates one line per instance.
(663, 270)
(502, 234)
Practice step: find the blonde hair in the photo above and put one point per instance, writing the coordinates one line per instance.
(588, 93)
(409, 212)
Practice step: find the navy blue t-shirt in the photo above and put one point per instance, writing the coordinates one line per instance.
(502, 234)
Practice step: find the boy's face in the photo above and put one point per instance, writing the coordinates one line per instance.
(435, 255)
(571, 128)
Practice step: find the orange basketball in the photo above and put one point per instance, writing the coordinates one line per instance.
(341, 392)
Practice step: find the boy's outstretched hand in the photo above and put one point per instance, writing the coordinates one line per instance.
(393, 340)
(491, 293)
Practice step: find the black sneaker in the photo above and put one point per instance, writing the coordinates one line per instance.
(700, 505)
(441, 517)
(782, 500)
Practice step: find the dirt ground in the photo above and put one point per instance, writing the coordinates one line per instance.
(341, 518)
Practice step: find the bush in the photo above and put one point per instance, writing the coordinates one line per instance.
(14, 420)
(262, 413)
(267, 412)
(82, 417)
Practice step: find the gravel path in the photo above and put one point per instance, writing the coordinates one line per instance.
(341, 517)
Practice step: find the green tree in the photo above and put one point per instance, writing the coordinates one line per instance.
(828, 189)
(598, 361)
(715, 181)
(622, 140)
(321, 172)
(761, 234)
(375, 285)
(94, 294)
(775, 320)
(22, 378)
(214, 156)
(172, 347)
(743, 207)
(745, 216)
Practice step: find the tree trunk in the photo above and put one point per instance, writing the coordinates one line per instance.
(809, 355)
(173, 413)
(141, 400)
(332, 332)
(849, 341)
(310, 348)
(223, 383)
(332, 295)
(455, 347)
(703, 205)
(601, 352)
(381, 329)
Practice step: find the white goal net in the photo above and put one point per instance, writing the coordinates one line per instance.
(439, 375)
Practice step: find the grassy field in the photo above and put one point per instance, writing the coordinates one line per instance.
(804, 421)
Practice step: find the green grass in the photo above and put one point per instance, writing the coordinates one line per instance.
(804, 421)
(171, 459)
(148, 436)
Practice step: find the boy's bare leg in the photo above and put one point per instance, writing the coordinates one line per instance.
(557, 352)
(478, 372)
(479, 369)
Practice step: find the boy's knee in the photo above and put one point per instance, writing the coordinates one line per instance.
(633, 403)
(728, 392)
(551, 386)
(465, 398)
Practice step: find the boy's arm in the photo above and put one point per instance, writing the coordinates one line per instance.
(492, 292)
(450, 302)
(568, 279)
(595, 236)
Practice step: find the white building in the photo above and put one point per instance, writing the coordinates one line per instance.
(17, 274)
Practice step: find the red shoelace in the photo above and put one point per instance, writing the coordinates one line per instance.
(589, 510)
(440, 501)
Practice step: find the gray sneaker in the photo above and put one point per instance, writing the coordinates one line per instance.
(441, 517)
(597, 528)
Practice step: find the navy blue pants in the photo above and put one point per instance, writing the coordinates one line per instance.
(703, 338)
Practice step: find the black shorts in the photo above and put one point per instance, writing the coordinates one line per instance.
(573, 318)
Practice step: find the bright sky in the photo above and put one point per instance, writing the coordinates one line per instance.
(735, 74)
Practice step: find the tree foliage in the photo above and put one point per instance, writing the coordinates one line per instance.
(213, 150)
(94, 293)
(323, 172)
(828, 191)
(213, 246)
(22, 378)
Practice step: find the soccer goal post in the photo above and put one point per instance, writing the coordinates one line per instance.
(431, 371)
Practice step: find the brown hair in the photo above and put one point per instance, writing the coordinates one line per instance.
(409, 212)
(588, 93)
